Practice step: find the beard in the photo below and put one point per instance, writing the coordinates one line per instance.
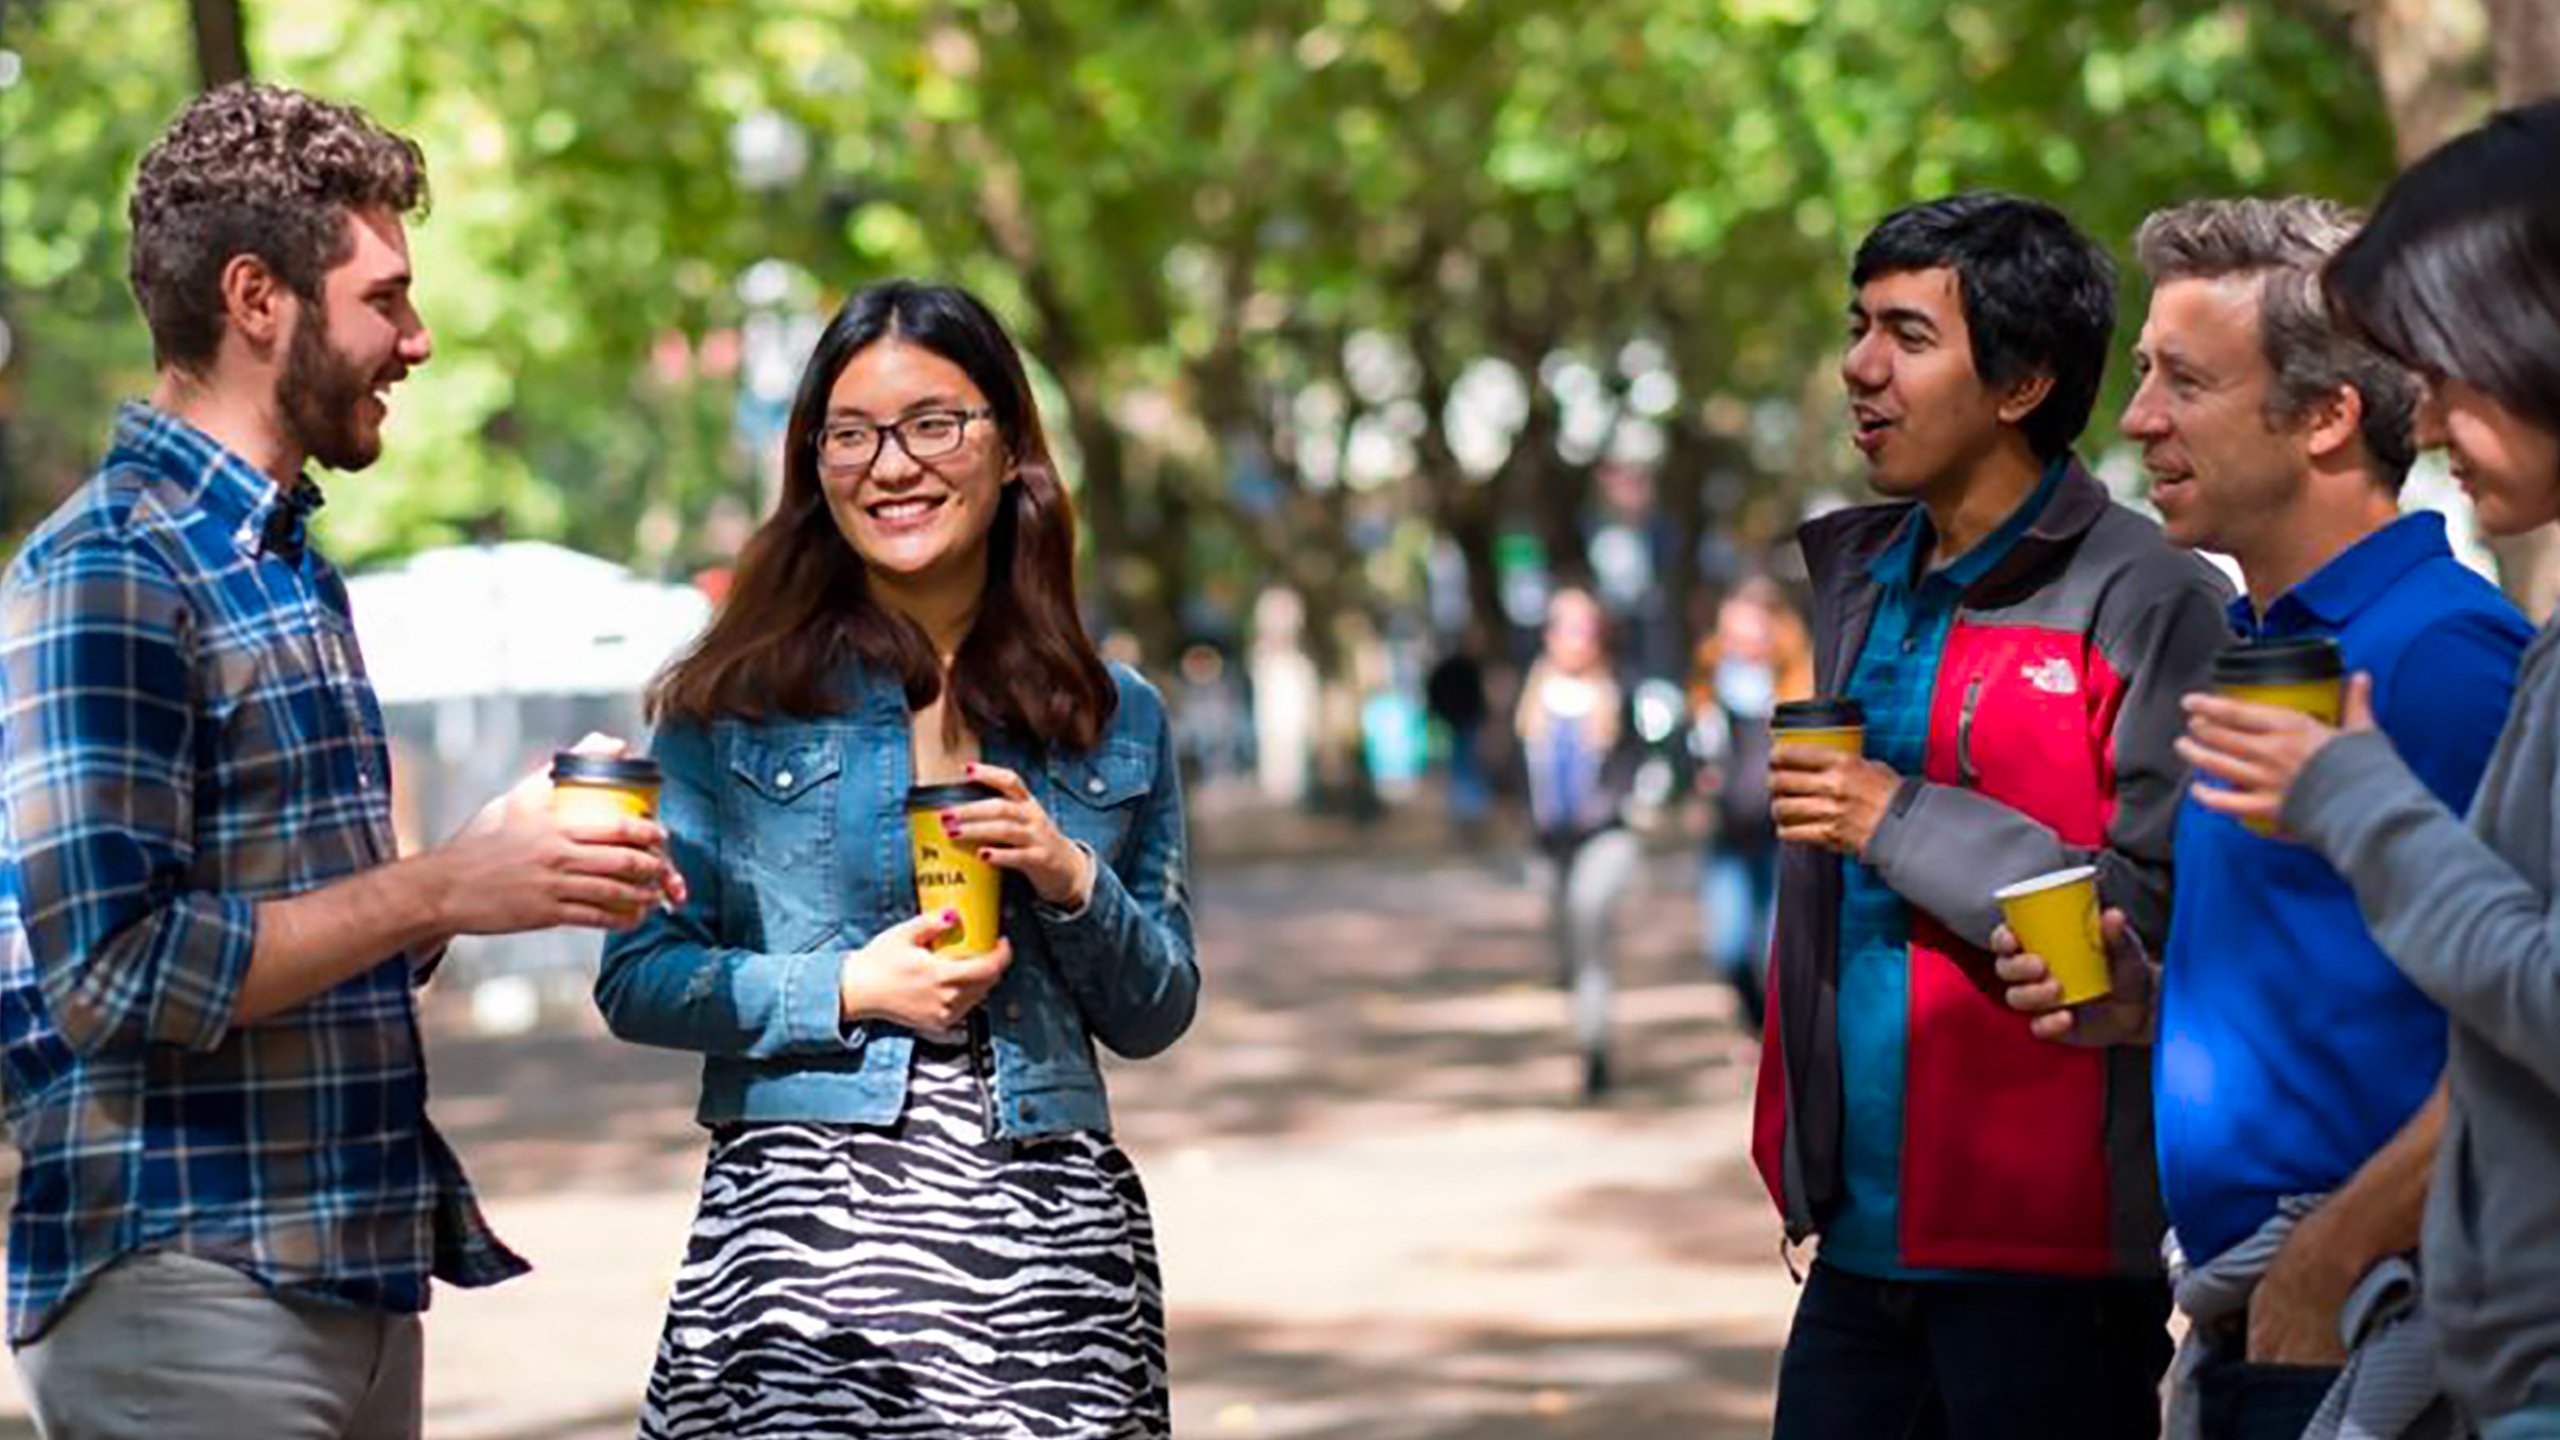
(322, 395)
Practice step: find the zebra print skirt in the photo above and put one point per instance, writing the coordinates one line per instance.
(924, 1279)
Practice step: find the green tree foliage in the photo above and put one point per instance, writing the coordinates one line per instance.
(1312, 280)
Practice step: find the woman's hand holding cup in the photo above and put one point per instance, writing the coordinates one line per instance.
(2253, 752)
(900, 978)
(1014, 833)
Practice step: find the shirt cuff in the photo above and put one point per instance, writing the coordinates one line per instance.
(1078, 911)
(211, 938)
(813, 1001)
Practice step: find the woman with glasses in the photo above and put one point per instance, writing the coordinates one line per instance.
(913, 1218)
(2458, 276)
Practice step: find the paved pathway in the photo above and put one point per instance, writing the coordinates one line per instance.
(1382, 1215)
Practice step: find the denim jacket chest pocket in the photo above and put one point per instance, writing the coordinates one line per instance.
(1094, 796)
(781, 801)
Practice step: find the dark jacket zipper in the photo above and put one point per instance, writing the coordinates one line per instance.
(1964, 732)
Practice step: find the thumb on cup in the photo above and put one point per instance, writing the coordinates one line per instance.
(2126, 954)
(928, 927)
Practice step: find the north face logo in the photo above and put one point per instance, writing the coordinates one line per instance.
(2053, 677)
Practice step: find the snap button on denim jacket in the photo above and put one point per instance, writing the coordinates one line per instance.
(792, 836)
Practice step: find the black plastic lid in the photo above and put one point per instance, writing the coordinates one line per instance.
(2276, 662)
(1836, 712)
(570, 765)
(943, 797)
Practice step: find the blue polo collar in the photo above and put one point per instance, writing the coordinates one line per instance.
(2353, 579)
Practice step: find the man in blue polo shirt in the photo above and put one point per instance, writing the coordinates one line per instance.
(2292, 1062)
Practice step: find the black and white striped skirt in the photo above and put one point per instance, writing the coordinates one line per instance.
(924, 1279)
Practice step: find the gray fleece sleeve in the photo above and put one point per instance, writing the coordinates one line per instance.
(2477, 936)
(1946, 849)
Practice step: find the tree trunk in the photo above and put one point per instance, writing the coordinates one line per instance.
(2442, 63)
(222, 41)
(1473, 526)
(2524, 50)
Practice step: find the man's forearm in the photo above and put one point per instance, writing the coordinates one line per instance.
(312, 941)
(2295, 1313)
(2379, 1210)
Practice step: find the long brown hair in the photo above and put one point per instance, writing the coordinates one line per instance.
(800, 606)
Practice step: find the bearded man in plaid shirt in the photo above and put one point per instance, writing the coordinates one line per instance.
(230, 1201)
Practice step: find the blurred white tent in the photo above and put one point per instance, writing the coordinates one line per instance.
(519, 618)
(487, 658)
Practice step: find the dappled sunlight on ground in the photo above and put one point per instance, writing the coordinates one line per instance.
(1383, 1214)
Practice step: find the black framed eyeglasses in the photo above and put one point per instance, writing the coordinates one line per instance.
(925, 435)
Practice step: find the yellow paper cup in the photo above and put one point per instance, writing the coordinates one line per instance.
(1835, 723)
(2319, 699)
(2056, 917)
(2306, 675)
(949, 875)
(594, 789)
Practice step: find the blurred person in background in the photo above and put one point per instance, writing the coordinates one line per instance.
(2457, 276)
(1758, 655)
(1454, 694)
(231, 1203)
(1208, 716)
(913, 1211)
(1581, 752)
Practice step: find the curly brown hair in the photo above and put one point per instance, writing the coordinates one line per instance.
(263, 171)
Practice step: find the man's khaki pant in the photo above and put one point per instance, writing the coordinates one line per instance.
(170, 1347)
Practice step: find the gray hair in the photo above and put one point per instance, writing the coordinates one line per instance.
(2285, 242)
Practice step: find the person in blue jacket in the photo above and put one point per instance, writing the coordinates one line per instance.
(913, 1217)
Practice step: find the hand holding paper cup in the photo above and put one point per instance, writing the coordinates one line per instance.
(1833, 722)
(2055, 916)
(2306, 674)
(950, 875)
(592, 787)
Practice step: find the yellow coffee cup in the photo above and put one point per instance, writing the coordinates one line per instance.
(2305, 673)
(597, 789)
(949, 875)
(2055, 916)
(1832, 722)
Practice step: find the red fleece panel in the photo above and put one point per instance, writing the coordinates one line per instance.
(2003, 1160)
(1769, 1103)
(2003, 1156)
(2040, 735)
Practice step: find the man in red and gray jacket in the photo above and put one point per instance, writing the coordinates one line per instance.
(1987, 1204)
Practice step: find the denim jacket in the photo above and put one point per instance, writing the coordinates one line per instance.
(792, 837)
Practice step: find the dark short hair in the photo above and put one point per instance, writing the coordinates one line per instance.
(2039, 297)
(2458, 272)
(258, 170)
(2283, 243)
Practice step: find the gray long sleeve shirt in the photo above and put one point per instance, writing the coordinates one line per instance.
(2469, 913)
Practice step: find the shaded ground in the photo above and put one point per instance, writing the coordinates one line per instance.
(1381, 1214)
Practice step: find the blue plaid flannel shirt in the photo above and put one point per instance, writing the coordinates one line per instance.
(186, 730)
